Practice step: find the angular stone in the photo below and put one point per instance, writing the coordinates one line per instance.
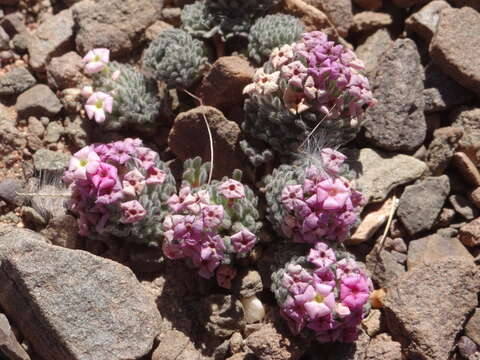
(383, 347)
(455, 34)
(397, 121)
(338, 11)
(11, 139)
(223, 85)
(475, 197)
(424, 22)
(467, 168)
(367, 21)
(38, 101)
(373, 48)
(433, 248)
(470, 233)
(248, 283)
(35, 126)
(9, 345)
(59, 300)
(421, 203)
(267, 343)
(53, 37)
(372, 324)
(4, 40)
(441, 149)
(13, 23)
(472, 328)
(313, 18)
(463, 206)
(379, 173)
(468, 119)
(191, 125)
(65, 71)
(9, 189)
(369, 4)
(117, 24)
(466, 347)
(175, 345)
(155, 29)
(16, 81)
(385, 267)
(54, 132)
(427, 307)
(48, 160)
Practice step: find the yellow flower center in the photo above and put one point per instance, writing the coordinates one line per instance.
(319, 298)
(83, 162)
(99, 104)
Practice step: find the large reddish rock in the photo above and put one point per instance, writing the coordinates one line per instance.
(455, 47)
(470, 233)
(424, 22)
(427, 307)
(338, 11)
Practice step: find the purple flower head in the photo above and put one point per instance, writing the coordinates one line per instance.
(133, 212)
(98, 105)
(232, 189)
(120, 152)
(96, 60)
(243, 241)
(321, 256)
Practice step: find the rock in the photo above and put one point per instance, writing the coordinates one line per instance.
(445, 293)
(9, 189)
(373, 48)
(421, 203)
(397, 244)
(38, 101)
(267, 343)
(155, 29)
(385, 266)
(20, 43)
(475, 4)
(376, 216)
(67, 299)
(53, 37)
(4, 40)
(466, 347)
(76, 130)
(466, 168)
(338, 11)
(469, 233)
(223, 85)
(463, 206)
(442, 92)
(223, 315)
(248, 283)
(453, 36)
(13, 23)
(65, 71)
(48, 160)
(9, 345)
(441, 149)
(383, 347)
(35, 126)
(475, 197)
(191, 125)
(353, 351)
(468, 119)
(433, 248)
(369, 4)
(379, 173)
(372, 323)
(472, 328)
(409, 3)
(16, 81)
(54, 132)
(313, 18)
(9, 2)
(236, 343)
(32, 217)
(117, 24)
(62, 231)
(397, 121)
(424, 22)
(10, 137)
(367, 21)
(175, 345)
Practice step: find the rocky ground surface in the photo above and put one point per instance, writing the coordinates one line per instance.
(419, 150)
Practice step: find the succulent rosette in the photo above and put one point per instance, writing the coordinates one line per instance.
(324, 294)
(119, 190)
(310, 201)
(211, 225)
(308, 82)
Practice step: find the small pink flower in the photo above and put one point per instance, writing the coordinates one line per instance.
(342, 310)
(354, 291)
(332, 160)
(105, 177)
(281, 56)
(133, 183)
(184, 198)
(83, 162)
(232, 189)
(98, 105)
(120, 152)
(321, 256)
(96, 60)
(155, 176)
(146, 157)
(212, 215)
(337, 194)
(116, 74)
(292, 195)
(133, 212)
(87, 91)
(172, 250)
(225, 275)
(243, 241)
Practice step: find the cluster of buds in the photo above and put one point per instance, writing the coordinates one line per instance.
(315, 74)
(107, 182)
(320, 205)
(211, 224)
(98, 103)
(326, 292)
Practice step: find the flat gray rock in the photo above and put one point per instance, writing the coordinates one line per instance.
(38, 101)
(16, 81)
(72, 305)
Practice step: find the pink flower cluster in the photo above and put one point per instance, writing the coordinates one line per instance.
(107, 180)
(327, 298)
(325, 207)
(196, 230)
(315, 74)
